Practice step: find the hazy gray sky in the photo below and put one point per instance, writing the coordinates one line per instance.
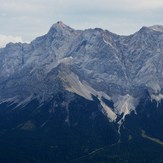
(27, 19)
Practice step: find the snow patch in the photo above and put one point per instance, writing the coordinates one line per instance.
(108, 43)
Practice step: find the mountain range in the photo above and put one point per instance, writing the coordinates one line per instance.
(83, 96)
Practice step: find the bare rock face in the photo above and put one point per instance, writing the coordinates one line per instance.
(90, 63)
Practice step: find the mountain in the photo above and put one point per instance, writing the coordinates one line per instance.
(81, 96)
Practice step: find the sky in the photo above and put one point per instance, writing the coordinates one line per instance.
(24, 20)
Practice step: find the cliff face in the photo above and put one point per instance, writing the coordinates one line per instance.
(93, 62)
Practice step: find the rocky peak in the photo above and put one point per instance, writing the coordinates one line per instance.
(158, 28)
(60, 27)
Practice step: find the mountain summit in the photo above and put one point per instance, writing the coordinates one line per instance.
(60, 27)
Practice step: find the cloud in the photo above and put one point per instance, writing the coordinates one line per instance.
(31, 18)
(122, 5)
(6, 39)
(68, 6)
(18, 6)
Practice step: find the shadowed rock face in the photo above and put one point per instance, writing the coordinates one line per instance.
(100, 62)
